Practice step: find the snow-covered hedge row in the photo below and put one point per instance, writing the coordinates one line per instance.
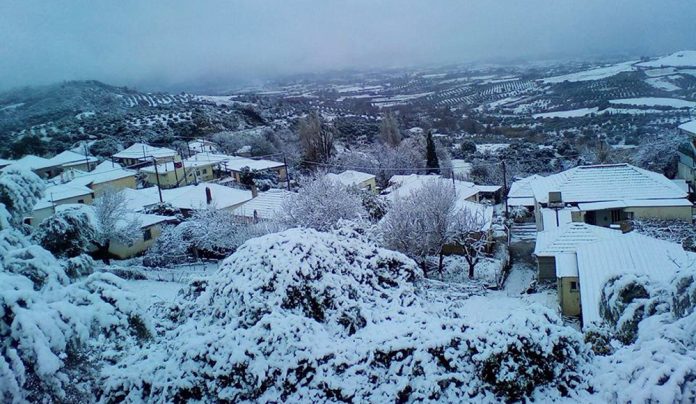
(309, 316)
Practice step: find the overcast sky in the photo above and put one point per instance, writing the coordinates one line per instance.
(160, 44)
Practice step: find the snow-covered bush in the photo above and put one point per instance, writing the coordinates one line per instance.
(78, 267)
(320, 204)
(19, 192)
(69, 232)
(675, 231)
(660, 367)
(54, 334)
(628, 299)
(684, 294)
(518, 355)
(303, 316)
(519, 213)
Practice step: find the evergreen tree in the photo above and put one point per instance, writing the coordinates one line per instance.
(432, 163)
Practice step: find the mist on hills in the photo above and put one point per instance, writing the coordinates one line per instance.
(182, 45)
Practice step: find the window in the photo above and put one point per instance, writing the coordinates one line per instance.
(147, 234)
(80, 201)
(615, 215)
(205, 171)
(573, 285)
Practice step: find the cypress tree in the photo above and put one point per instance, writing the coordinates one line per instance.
(432, 163)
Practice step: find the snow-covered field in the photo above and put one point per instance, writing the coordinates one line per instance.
(677, 59)
(593, 74)
(567, 114)
(655, 102)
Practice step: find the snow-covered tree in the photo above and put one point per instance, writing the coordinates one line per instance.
(114, 222)
(431, 160)
(69, 232)
(389, 130)
(419, 224)
(19, 192)
(320, 204)
(465, 230)
(316, 137)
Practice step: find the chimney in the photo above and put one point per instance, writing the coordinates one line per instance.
(208, 196)
(254, 191)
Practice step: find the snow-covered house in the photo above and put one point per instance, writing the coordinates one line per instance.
(59, 195)
(520, 193)
(29, 163)
(609, 194)
(686, 167)
(190, 171)
(351, 178)
(403, 185)
(234, 165)
(141, 153)
(202, 146)
(68, 159)
(105, 176)
(205, 195)
(150, 228)
(580, 258)
(263, 207)
(629, 253)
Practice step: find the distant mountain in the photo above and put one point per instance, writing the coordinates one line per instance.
(62, 114)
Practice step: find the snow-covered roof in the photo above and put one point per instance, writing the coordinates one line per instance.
(202, 145)
(633, 203)
(606, 183)
(630, 253)
(104, 172)
(142, 151)
(146, 220)
(488, 188)
(555, 218)
(57, 193)
(523, 188)
(566, 265)
(266, 204)
(187, 164)
(194, 196)
(484, 213)
(69, 158)
(350, 177)
(404, 185)
(689, 127)
(236, 163)
(138, 199)
(29, 162)
(568, 238)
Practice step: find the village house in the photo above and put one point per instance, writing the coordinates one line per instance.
(351, 178)
(686, 167)
(178, 173)
(150, 230)
(139, 154)
(580, 258)
(105, 176)
(263, 207)
(520, 192)
(403, 185)
(607, 195)
(189, 198)
(48, 168)
(59, 195)
(202, 146)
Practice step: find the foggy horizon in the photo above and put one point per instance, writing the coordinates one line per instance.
(180, 45)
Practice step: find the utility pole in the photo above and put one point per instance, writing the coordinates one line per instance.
(507, 213)
(86, 157)
(159, 188)
(287, 173)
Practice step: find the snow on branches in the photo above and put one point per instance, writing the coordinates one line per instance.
(321, 203)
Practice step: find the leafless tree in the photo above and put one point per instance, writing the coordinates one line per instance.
(418, 224)
(467, 231)
(389, 130)
(316, 137)
(113, 222)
